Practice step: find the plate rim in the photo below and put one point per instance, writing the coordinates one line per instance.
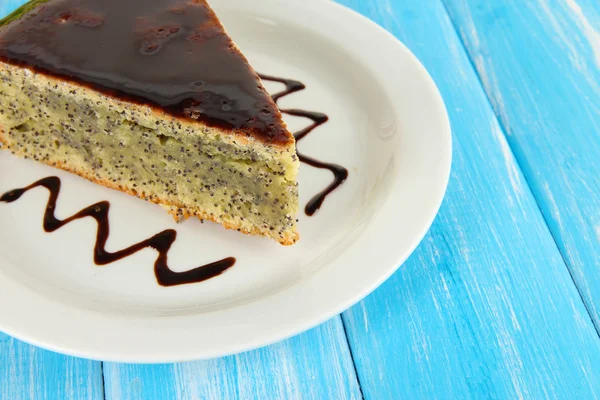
(24, 332)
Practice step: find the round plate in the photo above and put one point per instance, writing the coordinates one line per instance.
(388, 126)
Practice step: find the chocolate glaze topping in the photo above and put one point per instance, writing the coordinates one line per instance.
(171, 54)
(161, 242)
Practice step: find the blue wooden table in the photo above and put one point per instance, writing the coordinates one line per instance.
(502, 298)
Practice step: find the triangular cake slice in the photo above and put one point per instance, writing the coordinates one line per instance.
(150, 97)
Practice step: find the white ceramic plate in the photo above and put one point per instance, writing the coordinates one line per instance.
(388, 126)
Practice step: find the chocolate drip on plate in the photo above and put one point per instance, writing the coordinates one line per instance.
(160, 242)
(340, 173)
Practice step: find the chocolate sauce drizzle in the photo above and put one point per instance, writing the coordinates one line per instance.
(340, 173)
(160, 242)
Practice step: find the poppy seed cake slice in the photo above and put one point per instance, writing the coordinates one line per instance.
(152, 99)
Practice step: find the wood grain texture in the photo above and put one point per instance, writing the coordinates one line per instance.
(27, 372)
(314, 365)
(486, 307)
(540, 65)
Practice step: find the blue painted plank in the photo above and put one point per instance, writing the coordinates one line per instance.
(8, 6)
(314, 365)
(27, 372)
(486, 307)
(540, 64)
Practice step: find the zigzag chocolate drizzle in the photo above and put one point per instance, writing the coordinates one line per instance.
(340, 173)
(160, 242)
